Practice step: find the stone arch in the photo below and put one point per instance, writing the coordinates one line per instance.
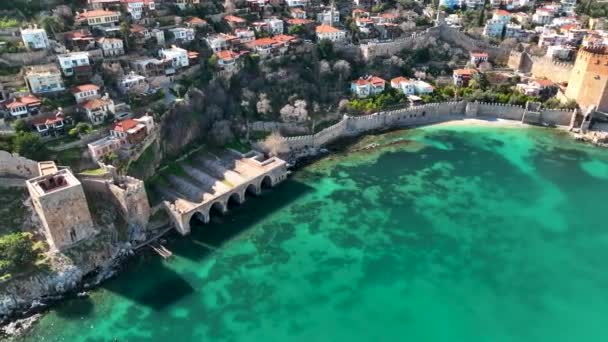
(252, 189)
(234, 200)
(217, 207)
(266, 182)
(198, 216)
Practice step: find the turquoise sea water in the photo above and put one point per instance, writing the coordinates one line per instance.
(459, 233)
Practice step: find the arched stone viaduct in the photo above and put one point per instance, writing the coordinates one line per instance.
(272, 172)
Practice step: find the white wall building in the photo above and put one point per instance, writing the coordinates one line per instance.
(71, 60)
(111, 46)
(493, 28)
(328, 17)
(43, 79)
(131, 81)
(275, 25)
(177, 56)
(34, 38)
(183, 34)
(136, 7)
(85, 92)
(330, 33)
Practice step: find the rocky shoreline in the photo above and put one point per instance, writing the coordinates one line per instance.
(19, 312)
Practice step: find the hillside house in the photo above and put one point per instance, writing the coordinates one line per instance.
(367, 86)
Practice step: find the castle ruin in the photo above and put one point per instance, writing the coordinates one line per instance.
(59, 200)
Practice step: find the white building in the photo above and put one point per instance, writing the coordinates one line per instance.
(98, 17)
(111, 46)
(366, 86)
(159, 35)
(177, 56)
(34, 38)
(245, 35)
(404, 85)
(219, 42)
(493, 28)
(97, 110)
(568, 6)
(136, 7)
(43, 79)
(275, 25)
(328, 17)
(132, 81)
(542, 16)
(85, 92)
(104, 146)
(183, 34)
(296, 3)
(72, 60)
(330, 33)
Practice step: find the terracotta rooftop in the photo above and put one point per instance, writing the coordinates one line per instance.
(479, 54)
(23, 101)
(95, 103)
(465, 72)
(48, 120)
(544, 83)
(502, 12)
(226, 54)
(373, 80)
(96, 13)
(125, 125)
(234, 19)
(399, 79)
(298, 21)
(84, 87)
(326, 29)
(196, 21)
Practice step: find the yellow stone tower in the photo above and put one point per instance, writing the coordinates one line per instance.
(588, 83)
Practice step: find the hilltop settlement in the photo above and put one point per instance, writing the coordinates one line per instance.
(121, 119)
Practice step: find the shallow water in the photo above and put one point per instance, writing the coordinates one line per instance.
(449, 233)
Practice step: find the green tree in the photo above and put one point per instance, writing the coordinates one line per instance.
(29, 145)
(52, 24)
(20, 126)
(16, 252)
(296, 30)
(325, 49)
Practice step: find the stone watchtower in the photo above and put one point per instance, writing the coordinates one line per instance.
(60, 202)
(588, 83)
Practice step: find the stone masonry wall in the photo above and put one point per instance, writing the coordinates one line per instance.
(557, 72)
(413, 116)
(16, 166)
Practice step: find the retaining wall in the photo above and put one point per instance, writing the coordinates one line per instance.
(16, 166)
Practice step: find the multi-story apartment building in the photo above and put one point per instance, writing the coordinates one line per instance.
(136, 8)
(34, 38)
(70, 62)
(111, 46)
(98, 17)
(176, 55)
(330, 33)
(183, 34)
(42, 79)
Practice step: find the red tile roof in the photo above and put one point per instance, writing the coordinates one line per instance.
(464, 72)
(84, 87)
(479, 54)
(326, 29)
(226, 55)
(196, 21)
(24, 101)
(502, 12)
(49, 120)
(125, 125)
(399, 79)
(297, 21)
(96, 13)
(234, 19)
(95, 103)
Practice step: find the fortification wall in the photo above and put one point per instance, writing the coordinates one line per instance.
(502, 111)
(556, 117)
(349, 126)
(459, 38)
(14, 165)
(283, 127)
(374, 49)
(543, 67)
(132, 200)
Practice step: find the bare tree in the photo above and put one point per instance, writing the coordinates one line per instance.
(342, 68)
(263, 105)
(295, 113)
(324, 67)
(275, 144)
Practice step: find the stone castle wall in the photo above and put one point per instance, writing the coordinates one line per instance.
(413, 116)
(13, 165)
(543, 67)
(446, 33)
(589, 82)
